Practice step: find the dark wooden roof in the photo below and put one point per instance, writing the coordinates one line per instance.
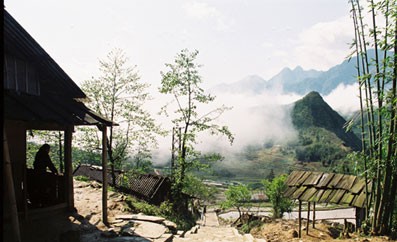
(327, 188)
(18, 42)
(57, 100)
(37, 110)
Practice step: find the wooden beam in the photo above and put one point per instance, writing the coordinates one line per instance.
(10, 188)
(104, 177)
(69, 167)
(300, 219)
(314, 215)
(308, 218)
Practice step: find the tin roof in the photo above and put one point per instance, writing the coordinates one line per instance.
(327, 188)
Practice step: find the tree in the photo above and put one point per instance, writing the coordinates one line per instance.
(119, 95)
(237, 196)
(377, 78)
(274, 190)
(182, 81)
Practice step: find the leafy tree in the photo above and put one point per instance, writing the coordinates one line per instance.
(119, 95)
(274, 190)
(195, 187)
(377, 78)
(182, 81)
(237, 196)
(271, 175)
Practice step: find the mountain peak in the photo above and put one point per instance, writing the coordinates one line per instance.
(313, 111)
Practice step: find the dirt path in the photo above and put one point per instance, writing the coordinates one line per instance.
(210, 230)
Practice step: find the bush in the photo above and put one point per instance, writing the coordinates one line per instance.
(274, 190)
(246, 228)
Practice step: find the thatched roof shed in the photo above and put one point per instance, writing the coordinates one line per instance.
(327, 188)
(319, 187)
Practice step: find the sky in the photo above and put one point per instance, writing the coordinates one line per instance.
(235, 38)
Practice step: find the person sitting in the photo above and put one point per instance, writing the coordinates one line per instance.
(44, 187)
(42, 160)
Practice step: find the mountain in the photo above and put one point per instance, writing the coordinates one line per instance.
(327, 81)
(288, 77)
(313, 112)
(300, 81)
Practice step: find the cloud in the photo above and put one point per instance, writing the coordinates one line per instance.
(344, 99)
(204, 12)
(200, 10)
(324, 44)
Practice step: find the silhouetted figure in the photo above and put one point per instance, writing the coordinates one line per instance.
(42, 160)
(44, 189)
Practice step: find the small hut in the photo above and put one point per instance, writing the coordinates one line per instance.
(37, 95)
(319, 187)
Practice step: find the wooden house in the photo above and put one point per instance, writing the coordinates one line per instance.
(37, 95)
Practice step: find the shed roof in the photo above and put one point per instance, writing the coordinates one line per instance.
(49, 109)
(18, 42)
(327, 188)
(59, 101)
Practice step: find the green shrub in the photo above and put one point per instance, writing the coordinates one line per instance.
(82, 178)
(246, 228)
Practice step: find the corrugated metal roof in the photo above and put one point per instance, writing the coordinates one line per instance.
(326, 188)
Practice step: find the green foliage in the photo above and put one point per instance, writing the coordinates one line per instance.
(237, 196)
(274, 190)
(119, 95)
(82, 178)
(195, 187)
(182, 81)
(378, 99)
(247, 227)
(184, 221)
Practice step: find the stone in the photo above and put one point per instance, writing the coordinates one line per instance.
(149, 229)
(294, 233)
(171, 226)
(140, 217)
(128, 231)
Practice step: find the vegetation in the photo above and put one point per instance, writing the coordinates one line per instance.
(237, 196)
(377, 80)
(182, 81)
(184, 220)
(118, 95)
(274, 190)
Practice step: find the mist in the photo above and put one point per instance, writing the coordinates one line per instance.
(254, 120)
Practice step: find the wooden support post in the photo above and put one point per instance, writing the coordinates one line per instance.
(300, 219)
(69, 167)
(314, 215)
(104, 177)
(308, 218)
(9, 183)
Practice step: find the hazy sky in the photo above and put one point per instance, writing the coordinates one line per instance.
(235, 38)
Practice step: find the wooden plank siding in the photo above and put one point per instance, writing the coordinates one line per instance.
(326, 188)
